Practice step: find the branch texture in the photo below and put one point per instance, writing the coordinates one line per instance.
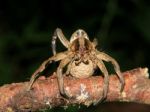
(45, 94)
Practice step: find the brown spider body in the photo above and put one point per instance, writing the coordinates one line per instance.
(81, 58)
(82, 66)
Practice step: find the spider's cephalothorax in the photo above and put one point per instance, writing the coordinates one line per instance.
(80, 42)
(81, 58)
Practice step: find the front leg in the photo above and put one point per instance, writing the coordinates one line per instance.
(102, 67)
(107, 58)
(37, 72)
(58, 33)
(42, 67)
(62, 64)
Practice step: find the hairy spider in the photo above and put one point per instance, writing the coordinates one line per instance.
(81, 57)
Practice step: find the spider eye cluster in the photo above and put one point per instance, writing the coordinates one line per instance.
(79, 34)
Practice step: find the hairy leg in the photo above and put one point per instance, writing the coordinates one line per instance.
(107, 58)
(37, 72)
(58, 34)
(42, 67)
(62, 64)
(102, 67)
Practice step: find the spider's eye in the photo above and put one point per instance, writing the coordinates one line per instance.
(79, 34)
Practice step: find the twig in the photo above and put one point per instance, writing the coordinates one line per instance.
(45, 93)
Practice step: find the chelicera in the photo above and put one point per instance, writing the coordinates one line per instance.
(81, 59)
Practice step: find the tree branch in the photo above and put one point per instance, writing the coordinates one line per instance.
(45, 93)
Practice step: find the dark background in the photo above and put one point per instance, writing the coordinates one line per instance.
(122, 28)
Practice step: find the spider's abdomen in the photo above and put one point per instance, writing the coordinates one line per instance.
(82, 70)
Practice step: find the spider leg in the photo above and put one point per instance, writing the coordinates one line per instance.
(62, 64)
(102, 67)
(42, 67)
(107, 58)
(68, 68)
(58, 33)
(37, 72)
(95, 42)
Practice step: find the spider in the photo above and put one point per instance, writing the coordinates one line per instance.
(81, 59)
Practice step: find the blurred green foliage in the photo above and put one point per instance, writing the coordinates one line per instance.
(122, 28)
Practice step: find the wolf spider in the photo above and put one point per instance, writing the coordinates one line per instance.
(81, 57)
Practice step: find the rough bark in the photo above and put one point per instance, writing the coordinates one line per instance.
(45, 94)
